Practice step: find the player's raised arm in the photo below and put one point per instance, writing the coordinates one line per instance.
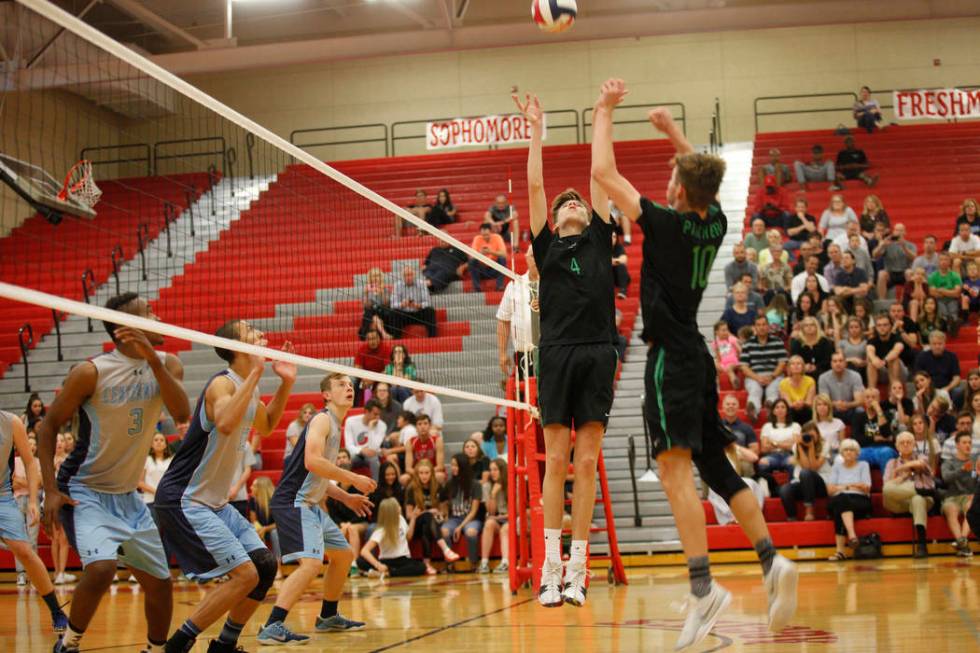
(225, 404)
(604, 172)
(267, 417)
(663, 122)
(531, 110)
(314, 460)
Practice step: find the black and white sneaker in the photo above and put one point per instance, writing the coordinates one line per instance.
(575, 590)
(549, 595)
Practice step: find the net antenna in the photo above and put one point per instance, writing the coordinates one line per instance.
(44, 194)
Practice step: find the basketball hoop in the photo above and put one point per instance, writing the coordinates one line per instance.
(79, 185)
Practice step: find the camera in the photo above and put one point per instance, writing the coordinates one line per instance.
(807, 438)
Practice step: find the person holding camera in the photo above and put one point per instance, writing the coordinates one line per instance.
(910, 487)
(897, 255)
(850, 496)
(491, 245)
(811, 473)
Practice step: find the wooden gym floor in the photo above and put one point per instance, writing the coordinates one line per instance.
(893, 605)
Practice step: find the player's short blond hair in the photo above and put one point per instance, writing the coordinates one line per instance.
(700, 175)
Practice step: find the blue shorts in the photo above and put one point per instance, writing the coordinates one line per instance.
(12, 525)
(306, 532)
(207, 543)
(114, 527)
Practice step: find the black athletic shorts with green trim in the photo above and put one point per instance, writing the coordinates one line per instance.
(575, 383)
(682, 400)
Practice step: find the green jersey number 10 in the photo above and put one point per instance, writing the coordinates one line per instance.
(703, 258)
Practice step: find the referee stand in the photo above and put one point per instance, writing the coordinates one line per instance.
(525, 450)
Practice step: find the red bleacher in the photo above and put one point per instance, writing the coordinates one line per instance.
(52, 258)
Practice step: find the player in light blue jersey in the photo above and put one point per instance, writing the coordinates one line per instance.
(13, 437)
(306, 532)
(118, 397)
(209, 537)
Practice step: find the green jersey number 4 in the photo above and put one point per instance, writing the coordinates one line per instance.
(703, 258)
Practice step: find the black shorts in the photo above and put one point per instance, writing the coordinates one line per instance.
(682, 400)
(896, 279)
(575, 383)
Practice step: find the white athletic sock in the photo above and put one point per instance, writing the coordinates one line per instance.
(579, 547)
(71, 639)
(484, 561)
(552, 544)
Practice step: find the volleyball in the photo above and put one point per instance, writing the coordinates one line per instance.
(554, 15)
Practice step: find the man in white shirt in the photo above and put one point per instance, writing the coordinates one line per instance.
(364, 435)
(811, 266)
(844, 240)
(515, 318)
(422, 403)
(965, 247)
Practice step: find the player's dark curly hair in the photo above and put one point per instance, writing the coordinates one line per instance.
(118, 303)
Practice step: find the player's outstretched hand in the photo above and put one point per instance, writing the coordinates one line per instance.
(130, 336)
(612, 92)
(364, 484)
(52, 506)
(661, 119)
(360, 504)
(284, 370)
(531, 109)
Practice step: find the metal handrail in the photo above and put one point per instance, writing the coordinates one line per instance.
(231, 158)
(356, 141)
(23, 351)
(717, 118)
(249, 146)
(212, 180)
(631, 454)
(802, 96)
(681, 118)
(169, 215)
(117, 258)
(88, 277)
(189, 196)
(57, 330)
(395, 138)
(218, 151)
(142, 238)
(148, 158)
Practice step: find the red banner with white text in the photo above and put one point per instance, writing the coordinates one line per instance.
(482, 131)
(937, 104)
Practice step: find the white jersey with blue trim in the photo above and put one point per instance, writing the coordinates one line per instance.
(116, 426)
(298, 485)
(6, 452)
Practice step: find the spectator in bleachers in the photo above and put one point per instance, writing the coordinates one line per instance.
(620, 273)
(753, 299)
(423, 403)
(867, 111)
(390, 407)
(930, 320)
(915, 293)
(491, 245)
(34, 412)
(391, 538)
(763, 362)
(844, 387)
(959, 476)
(388, 486)
(744, 433)
(739, 266)
(464, 493)
(928, 260)
(500, 215)
(970, 299)
(420, 208)
(443, 265)
(971, 388)
(925, 442)
(798, 390)
(364, 435)
(909, 487)
(873, 214)
(726, 351)
(861, 257)
(157, 462)
(493, 439)
(496, 520)
(411, 304)
(776, 169)
(898, 408)
(397, 441)
(623, 224)
(443, 212)
(836, 217)
(376, 300)
(846, 240)
(970, 215)
(295, 428)
(854, 347)
(942, 365)
(811, 473)
(852, 163)
(776, 444)
(834, 264)
(69, 442)
(757, 239)
(897, 255)
(851, 282)
(964, 426)
(805, 307)
(932, 402)
(770, 204)
(372, 356)
(864, 312)
(477, 460)
(352, 525)
(811, 269)
(401, 366)
(774, 251)
(424, 499)
(778, 313)
(872, 430)
(816, 169)
(739, 314)
(516, 316)
(21, 493)
(850, 496)
(885, 354)
(832, 429)
(59, 540)
(260, 515)
(964, 247)
(425, 445)
(812, 347)
(777, 276)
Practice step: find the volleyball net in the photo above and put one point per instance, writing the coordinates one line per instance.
(119, 176)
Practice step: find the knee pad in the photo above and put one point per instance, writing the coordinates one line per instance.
(266, 565)
(719, 474)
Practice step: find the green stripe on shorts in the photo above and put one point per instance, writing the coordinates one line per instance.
(658, 384)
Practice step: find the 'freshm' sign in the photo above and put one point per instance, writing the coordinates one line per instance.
(483, 131)
(939, 104)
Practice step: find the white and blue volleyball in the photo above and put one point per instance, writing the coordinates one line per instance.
(554, 15)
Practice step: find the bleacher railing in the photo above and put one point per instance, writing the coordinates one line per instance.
(677, 109)
(25, 344)
(317, 137)
(140, 154)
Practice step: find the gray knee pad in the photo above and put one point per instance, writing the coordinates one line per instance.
(719, 474)
(265, 564)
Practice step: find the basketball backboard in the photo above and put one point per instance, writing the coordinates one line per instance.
(39, 189)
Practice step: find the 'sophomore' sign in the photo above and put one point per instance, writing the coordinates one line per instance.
(487, 130)
(940, 104)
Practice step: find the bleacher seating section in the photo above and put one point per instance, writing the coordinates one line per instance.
(52, 258)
